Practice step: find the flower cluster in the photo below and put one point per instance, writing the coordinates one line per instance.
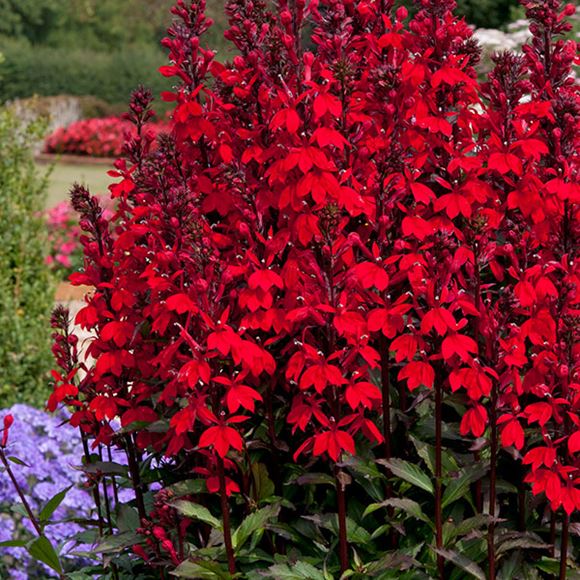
(103, 137)
(334, 232)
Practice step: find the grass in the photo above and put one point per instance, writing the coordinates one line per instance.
(63, 175)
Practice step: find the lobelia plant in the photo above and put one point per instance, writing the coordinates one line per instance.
(337, 304)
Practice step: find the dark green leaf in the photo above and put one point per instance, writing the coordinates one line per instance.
(262, 485)
(188, 487)
(409, 473)
(315, 479)
(456, 529)
(197, 512)
(19, 509)
(117, 543)
(106, 468)
(52, 504)
(463, 562)
(201, 570)
(510, 567)
(18, 461)
(548, 565)
(459, 486)
(519, 540)
(13, 544)
(297, 571)
(127, 518)
(255, 522)
(407, 505)
(391, 561)
(42, 550)
(355, 533)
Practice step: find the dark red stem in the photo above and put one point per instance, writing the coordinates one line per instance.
(385, 386)
(492, 482)
(564, 547)
(341, 501)
(438, 477)
(135, 477)
(226, 517)
(23, 499)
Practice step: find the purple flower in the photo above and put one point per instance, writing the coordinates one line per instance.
(51, 449)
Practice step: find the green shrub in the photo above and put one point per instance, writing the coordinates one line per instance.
(480, 13)
(26, 287)
(28, 70)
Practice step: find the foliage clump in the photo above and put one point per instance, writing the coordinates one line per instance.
(26, 286)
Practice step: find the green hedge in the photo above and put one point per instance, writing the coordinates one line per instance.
(33, 70)
(26, 286)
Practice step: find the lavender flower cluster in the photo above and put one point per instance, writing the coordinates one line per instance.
(50, 450)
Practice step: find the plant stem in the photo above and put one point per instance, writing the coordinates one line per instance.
(113, 479)
(341, 504)
(385, 386)
(31, 516)
(226, 517)
(96, 493)
(438, 477)
(564, 546)
(521, 509)
(492, 481)
(552, 533)
(23, 499)
(106, 497)
(135, 477)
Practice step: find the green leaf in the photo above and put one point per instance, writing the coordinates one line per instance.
(409, 473)
(426, 452)
(378, 532)
(510, 567)
(255, 522)
(407, 505)
(201, 569)
(455, 529)
(17, 461)
(188, 487)
(355, 533)
(13, 544)
(117, 543)
(127, 518)
(106, 468)
(462, 562)
(262, 486)
(42, 550)
(197, 512)
(519, 540)
(459, 486)
(52, 504)
(18, 508)
(548, 565)
(315, 479)
(298, 571)
(391, 561)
